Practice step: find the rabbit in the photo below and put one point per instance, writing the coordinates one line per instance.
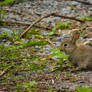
(79, 54)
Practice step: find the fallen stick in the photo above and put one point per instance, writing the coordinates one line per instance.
(9, 23)
(48, 15)
(18, 12)
(87, 3)
(7, 69)
(4, 71)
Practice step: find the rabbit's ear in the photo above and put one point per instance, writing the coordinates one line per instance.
(75, 36)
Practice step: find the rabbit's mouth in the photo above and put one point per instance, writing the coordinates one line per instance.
(62, 49)
(67, 50)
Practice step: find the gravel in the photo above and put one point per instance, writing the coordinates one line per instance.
(41, 7)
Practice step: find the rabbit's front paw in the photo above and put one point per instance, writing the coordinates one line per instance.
(82, 65)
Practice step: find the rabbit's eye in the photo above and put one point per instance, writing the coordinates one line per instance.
(65, 45)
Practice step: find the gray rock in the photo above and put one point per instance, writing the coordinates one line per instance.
(6, 30)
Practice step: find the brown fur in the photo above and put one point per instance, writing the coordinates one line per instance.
(79, 55)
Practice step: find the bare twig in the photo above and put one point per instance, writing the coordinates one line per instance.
(66, 17)
(87, 3)
(4, 71)
(48, 15)
(7, 69)
(21, 23)
(18, 12)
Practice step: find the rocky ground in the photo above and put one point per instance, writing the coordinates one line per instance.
(32, 10)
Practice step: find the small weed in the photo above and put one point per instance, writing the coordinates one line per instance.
(61, 56)
(5, 35)
(57, 53)
(8, 35)
(50, 88)
(9, 53)
(72, 7)
(33, 31)
(19, 88)
(68, 75)
(86, 18)
(83, 89)
(83, 33)
(64, 25)
(2, 15)
(5, 2)
(35, 67)
(52, 32)
(32, 85)
(35, 42)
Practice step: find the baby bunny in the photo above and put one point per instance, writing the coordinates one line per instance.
(80, 54)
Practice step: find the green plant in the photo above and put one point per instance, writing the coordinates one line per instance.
(19, 88)
(5, 2)
(83, 89)
(61, 56)
(35, 67)
(35, 42)
(6, 36)
(15, 35)
(52, 32)
(64, 25)
(72, 7)
(57, 53)
(86, 18)
(10, 52)
(51, 88)
(2, 14)
(83, 33)
(32, 85)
